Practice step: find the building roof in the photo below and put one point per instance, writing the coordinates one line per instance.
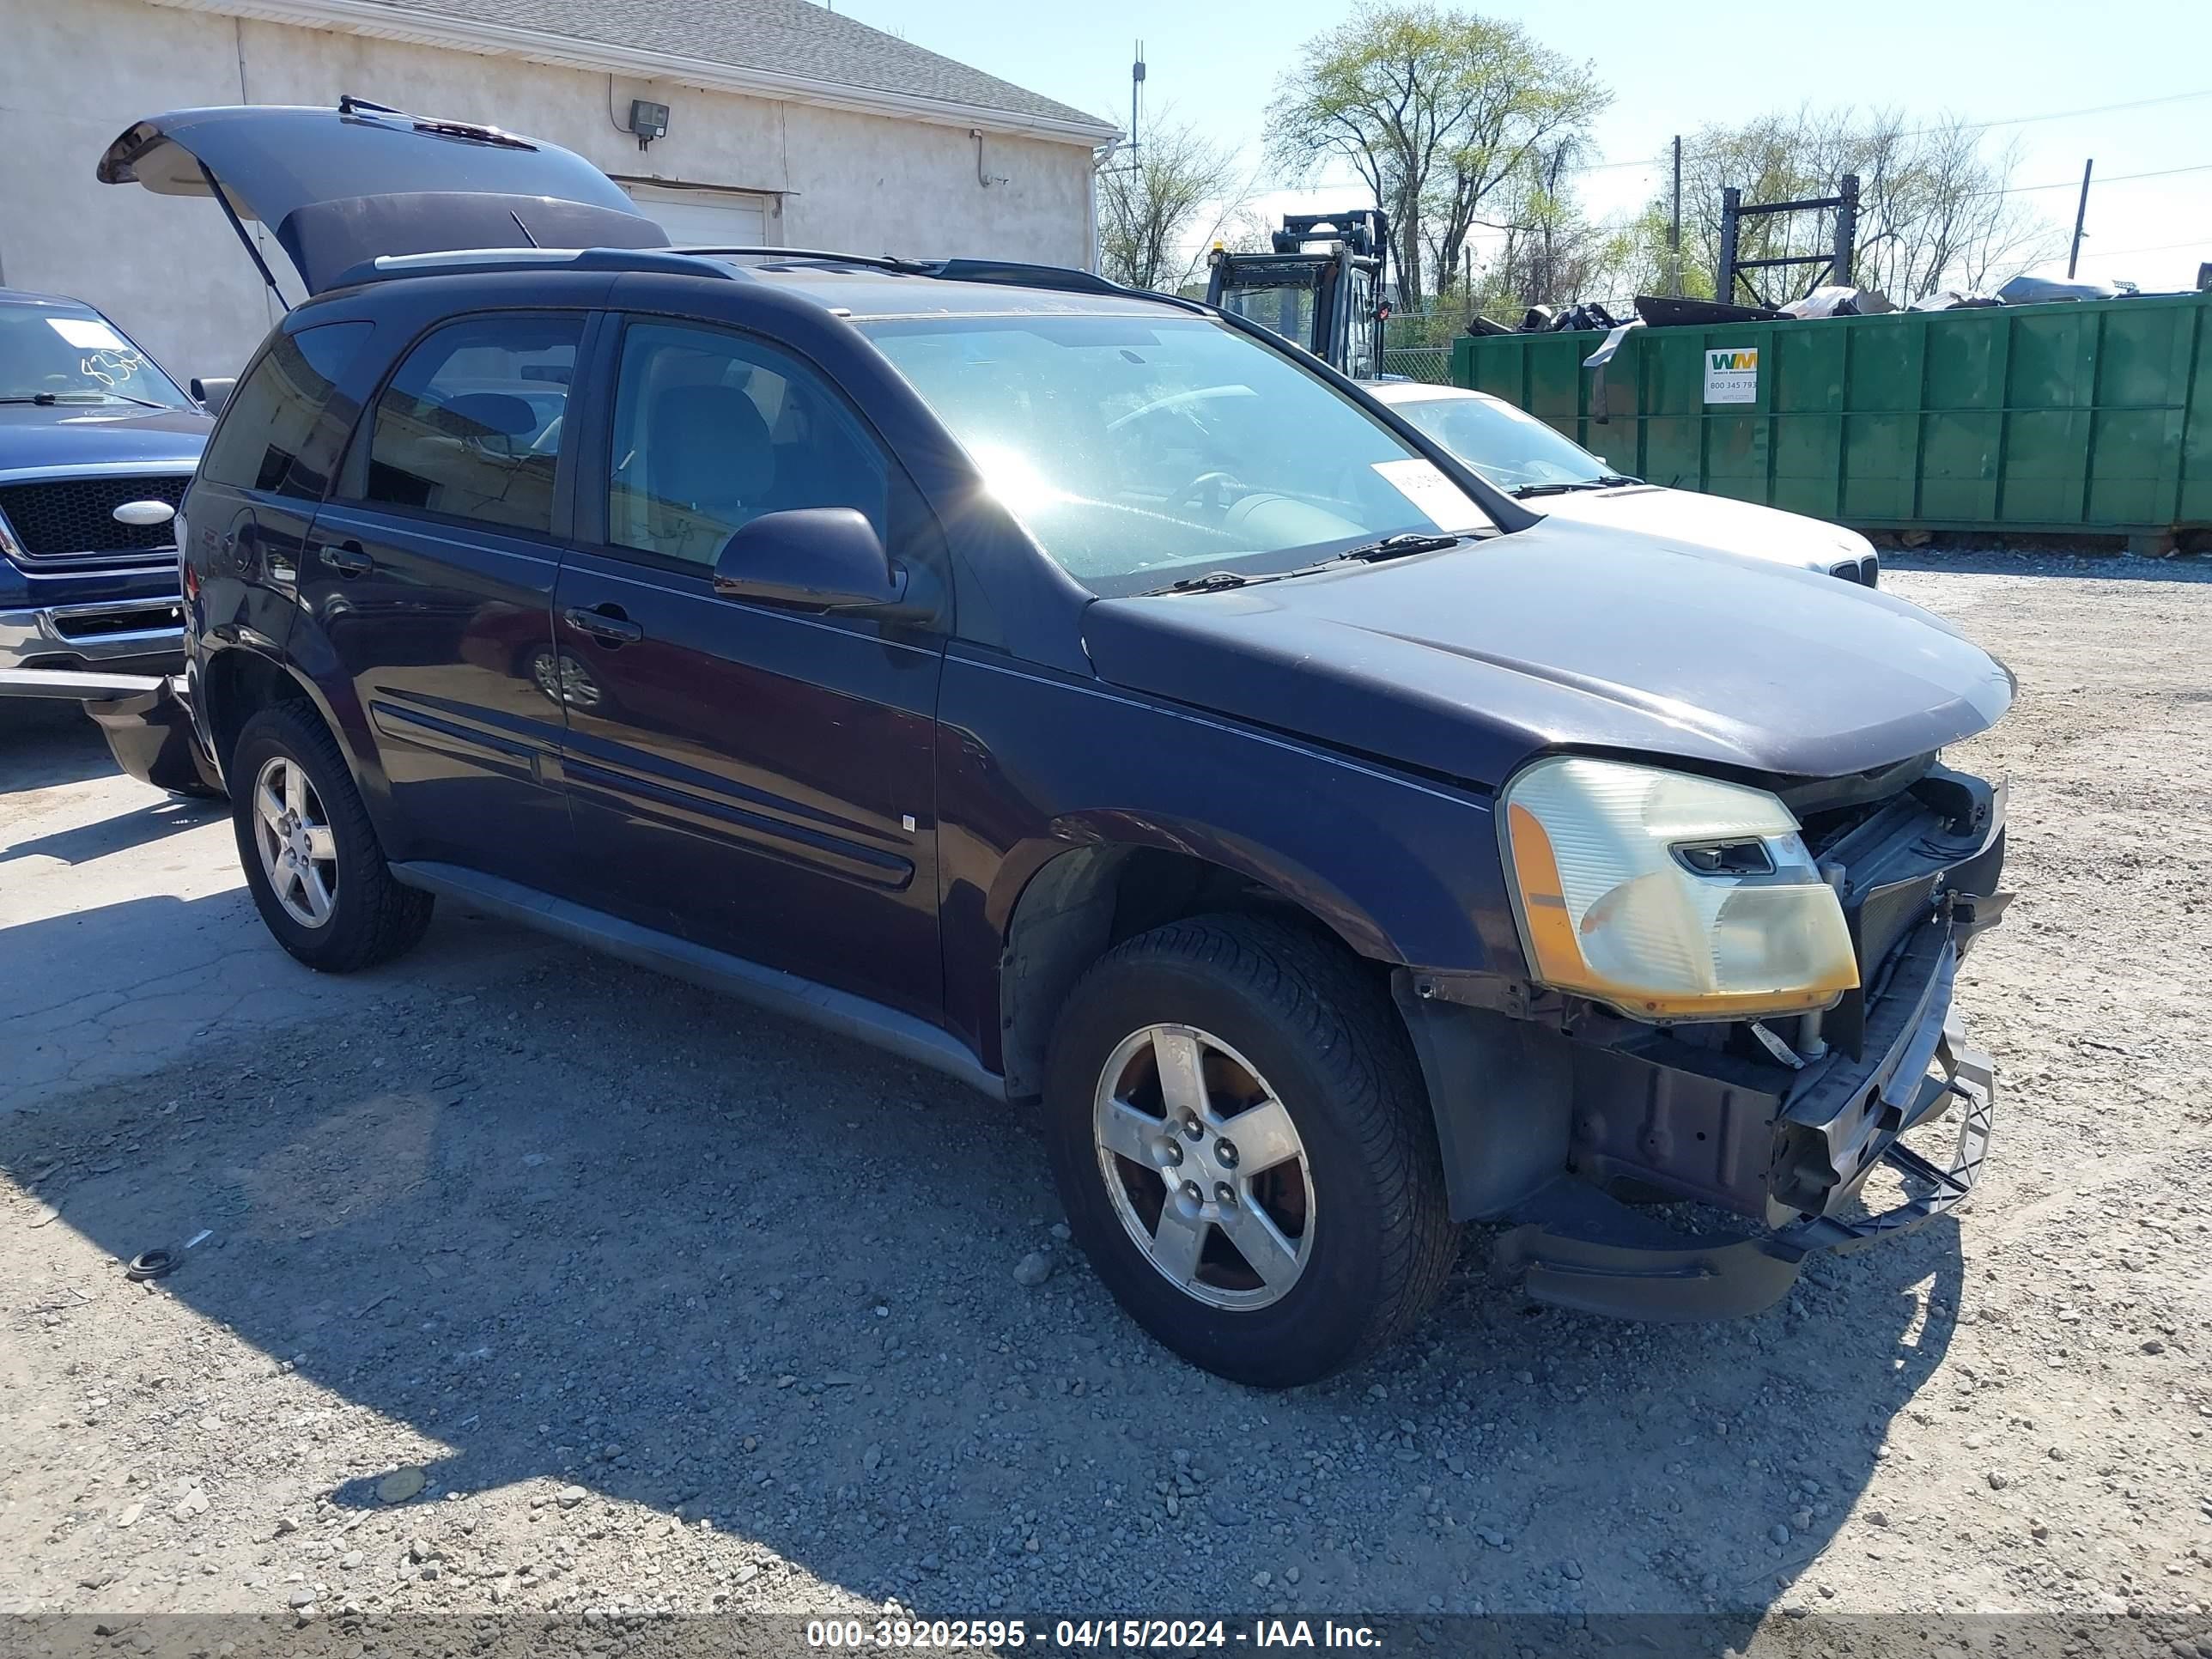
(796, 48)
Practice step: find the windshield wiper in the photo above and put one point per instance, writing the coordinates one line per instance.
(48, 399)
(1398, 546)
(1390, 547)
(1213, 581)
(112, 397)
(1603, 481)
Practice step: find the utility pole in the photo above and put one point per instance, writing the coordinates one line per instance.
(1675, 228)
(2080, 212)
(1136, 86)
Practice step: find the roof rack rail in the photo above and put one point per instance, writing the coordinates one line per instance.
(703, 262)
(880, 261)
(1016, 274)
(1013, 273)
(470, 261)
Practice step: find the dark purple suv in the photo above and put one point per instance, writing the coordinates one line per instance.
(1088, 694)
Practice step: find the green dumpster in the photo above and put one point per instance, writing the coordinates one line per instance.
(2090, 416)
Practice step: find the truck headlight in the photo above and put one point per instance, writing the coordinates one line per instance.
(1668, 894)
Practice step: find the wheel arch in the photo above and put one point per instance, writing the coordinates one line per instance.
(1065, 906)
(237, 683)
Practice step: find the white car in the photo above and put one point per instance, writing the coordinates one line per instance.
(1558, 477)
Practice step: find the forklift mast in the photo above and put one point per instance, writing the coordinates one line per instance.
(1321, 288)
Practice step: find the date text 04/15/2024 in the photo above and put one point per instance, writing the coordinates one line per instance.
(1168, 1635)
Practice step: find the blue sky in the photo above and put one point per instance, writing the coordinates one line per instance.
(1215, 64)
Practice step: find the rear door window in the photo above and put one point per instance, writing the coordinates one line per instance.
(267, 439)
(470, 425)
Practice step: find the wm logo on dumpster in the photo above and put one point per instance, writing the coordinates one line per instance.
(1732, 375)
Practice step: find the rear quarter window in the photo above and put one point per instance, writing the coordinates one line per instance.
(267, 439)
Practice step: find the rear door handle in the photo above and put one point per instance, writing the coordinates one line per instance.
(347, 558)
(605, 622)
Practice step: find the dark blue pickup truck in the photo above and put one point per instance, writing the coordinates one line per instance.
(96, 446)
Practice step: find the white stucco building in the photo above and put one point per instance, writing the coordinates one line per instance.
(788, 124)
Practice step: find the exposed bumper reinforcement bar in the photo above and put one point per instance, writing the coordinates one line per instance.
(1578, 1248)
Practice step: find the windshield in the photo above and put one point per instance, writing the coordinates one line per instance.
(1511, 449)
(72, 355)
(1139, 450)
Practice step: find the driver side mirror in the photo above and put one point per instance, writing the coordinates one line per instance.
(213, 392)
(816, 558)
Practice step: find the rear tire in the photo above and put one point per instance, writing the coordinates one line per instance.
(1337, 1244)
(310, 854)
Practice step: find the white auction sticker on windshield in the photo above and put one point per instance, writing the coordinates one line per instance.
(87, 334)
(1442, 502)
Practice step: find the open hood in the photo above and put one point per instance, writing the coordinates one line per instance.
(338, 187)
(1566, 636)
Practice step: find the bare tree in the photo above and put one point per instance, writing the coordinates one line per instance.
(1158, 213)
(1933, 209)
(1431, 107)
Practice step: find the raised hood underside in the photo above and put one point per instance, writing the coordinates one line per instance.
(1566, 636)
(339, 187)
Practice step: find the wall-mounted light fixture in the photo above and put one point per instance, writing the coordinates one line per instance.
(647, 120)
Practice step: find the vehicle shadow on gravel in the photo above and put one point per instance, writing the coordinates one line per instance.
(593, 1235)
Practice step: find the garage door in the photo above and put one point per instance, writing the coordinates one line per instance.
(705, 218)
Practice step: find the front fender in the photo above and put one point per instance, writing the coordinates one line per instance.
(1319, 896)
(1034, 764)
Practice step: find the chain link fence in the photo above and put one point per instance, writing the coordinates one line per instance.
(1432, 363)
(1418, 345)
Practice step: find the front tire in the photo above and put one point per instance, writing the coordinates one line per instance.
(1239, 1133)
(311, 856)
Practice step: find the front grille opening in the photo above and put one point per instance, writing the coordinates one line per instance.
(102, 624)
(58, 518)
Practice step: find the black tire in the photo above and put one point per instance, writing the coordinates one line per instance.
(372, 917)
(1323, 1036)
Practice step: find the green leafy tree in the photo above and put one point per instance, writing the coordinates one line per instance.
(1434, 109)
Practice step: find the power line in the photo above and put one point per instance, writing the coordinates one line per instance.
(1981, 126)
(2111, 178)
(2204, 242)
(2069, 114)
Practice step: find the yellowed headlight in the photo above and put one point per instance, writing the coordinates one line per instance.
(1611, 906)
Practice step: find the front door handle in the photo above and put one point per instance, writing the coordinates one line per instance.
(347, 559)
(605, 622)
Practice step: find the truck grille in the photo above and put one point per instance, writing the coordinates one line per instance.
(66, 518)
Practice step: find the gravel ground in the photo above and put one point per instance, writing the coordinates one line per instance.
(535, 1283)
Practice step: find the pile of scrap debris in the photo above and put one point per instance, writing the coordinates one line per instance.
(1658, 310)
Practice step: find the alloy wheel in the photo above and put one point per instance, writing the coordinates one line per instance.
(299, 849)
(1204, 1166)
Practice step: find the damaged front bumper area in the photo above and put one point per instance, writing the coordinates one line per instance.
(147, 720)
(1578, 1247)
(1552, 1127)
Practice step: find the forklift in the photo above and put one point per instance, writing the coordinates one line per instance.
(1321, 288)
